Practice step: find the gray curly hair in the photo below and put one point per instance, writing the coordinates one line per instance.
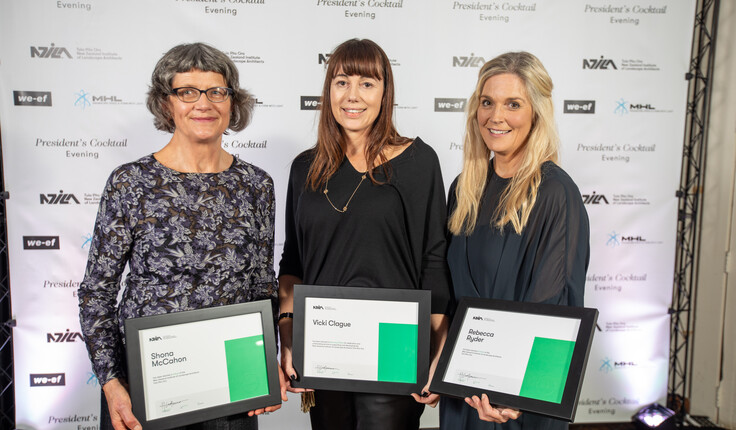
(196, 56)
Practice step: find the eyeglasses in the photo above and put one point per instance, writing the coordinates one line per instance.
(191, 94)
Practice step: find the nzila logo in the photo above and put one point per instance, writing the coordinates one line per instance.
(469, 61)
(599, 64)
(50, 52)
(595, 199)
(58, 199)
(68, 336)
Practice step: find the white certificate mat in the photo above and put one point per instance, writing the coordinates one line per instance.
(373, 340)
(527, 356)
(368, 340)
(517, 352)
(191, 366)
(227, 365)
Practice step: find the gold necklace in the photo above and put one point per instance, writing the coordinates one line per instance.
(345, 208)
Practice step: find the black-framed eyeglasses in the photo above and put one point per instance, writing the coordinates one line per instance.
(191, 94)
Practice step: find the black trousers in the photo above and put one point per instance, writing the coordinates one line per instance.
(234, 422)
(339, 410)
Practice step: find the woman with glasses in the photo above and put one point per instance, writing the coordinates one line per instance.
(194, 224)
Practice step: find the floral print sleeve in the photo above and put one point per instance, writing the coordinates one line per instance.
(190, 240)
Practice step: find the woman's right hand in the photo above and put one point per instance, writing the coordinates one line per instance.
(121, 409)
(286, 326)
(487, 412)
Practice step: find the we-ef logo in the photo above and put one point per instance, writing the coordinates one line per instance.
(478, 318)
(67, 336)
(155, 339)
(323, 58)
(48, 379)
(594, 199)
(52, 51)
(579, 106)
(310, 103)
(449, 105)
(32, 98)
(318, 307)
(60, 198)
(40, 242)
(599, 64)
(469, 61)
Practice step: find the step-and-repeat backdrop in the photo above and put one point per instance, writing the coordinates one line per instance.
(73, 78)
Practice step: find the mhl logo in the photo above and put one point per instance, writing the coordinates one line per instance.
(599, 64)
(632, 239)
(579, 106)
(449, 105)
(58, 199)
(594, 199)
(32, 98)
(310, 102)
(323, 58)
(155, 339)
(471, 61)
(48, 379)
(49, 52)
(318, 307)
(40, 242)
(106, 99)
(68, 336)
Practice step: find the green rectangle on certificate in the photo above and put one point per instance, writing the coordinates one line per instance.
(397, 352)
(246, 367)
(546, 372)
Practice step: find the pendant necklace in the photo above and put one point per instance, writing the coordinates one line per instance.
(345, 208)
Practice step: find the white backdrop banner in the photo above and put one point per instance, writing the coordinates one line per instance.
(73, 79)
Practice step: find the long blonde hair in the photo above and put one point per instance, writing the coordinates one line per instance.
(541, 145)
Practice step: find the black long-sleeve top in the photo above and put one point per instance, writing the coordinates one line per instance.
(546, 263)
(392, 235)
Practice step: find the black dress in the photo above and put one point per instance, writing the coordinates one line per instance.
(392, 235)
(546, 263)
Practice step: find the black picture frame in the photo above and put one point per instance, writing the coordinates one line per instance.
(421, 297)
(134, 326)
(565, 409)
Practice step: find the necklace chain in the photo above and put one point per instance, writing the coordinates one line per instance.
(345, 208)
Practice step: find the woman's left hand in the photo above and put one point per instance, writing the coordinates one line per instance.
(439, 323)
(486, 412)
(282, 388)
(427, 398)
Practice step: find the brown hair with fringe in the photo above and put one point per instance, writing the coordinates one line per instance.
(361, 57)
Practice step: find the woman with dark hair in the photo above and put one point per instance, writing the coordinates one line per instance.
(194, 224)
(519, 228)
(365, 207)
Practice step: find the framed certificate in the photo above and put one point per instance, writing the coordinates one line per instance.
(526, 356)
(373, 340)
(192, 366)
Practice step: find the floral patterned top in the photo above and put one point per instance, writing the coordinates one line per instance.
(191, 240)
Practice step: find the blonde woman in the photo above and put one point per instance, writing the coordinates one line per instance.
(519, 230)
